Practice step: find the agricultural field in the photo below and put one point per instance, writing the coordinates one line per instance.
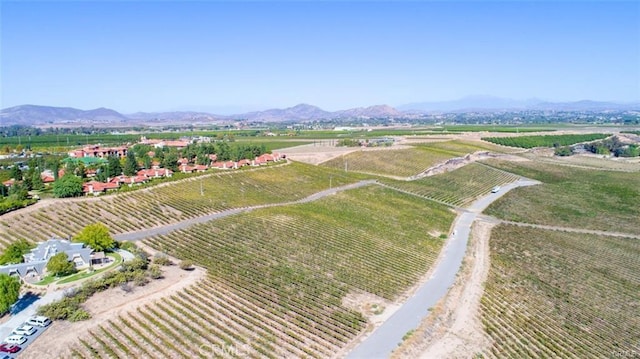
(403, 162)
(456, 188)
(545, 141)
(461, 148)
(571, 197)
(278, 277)
(553, 294)
(173, 201)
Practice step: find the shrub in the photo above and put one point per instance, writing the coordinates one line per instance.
(186, 265)
(162, 260)
(155, 272)
(78, 315)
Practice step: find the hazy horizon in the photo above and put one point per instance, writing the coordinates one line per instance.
(248, 56)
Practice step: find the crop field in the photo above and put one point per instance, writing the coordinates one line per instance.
(589, 161)
(277, 277)
(404, 162)
(499, 128)
(571, 197)
(544, 141)
(457, 188)
(461, 148)
(173, 202)
(553, 294)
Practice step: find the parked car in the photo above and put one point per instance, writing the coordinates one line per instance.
(39, 321)
(15, 339)
(25, 330)
(495, 189)
(9, 348)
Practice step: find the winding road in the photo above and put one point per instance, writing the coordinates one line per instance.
(382, 341)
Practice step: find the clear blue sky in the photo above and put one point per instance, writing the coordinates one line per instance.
(156, 56)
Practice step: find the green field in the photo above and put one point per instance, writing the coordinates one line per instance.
(544, 141)
(571, 197)
(457, 188)
(174, 201)
(278, 277)
(561, 295)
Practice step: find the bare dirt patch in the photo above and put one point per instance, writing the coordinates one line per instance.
(376, 309)
(454, 329)
(108, 305)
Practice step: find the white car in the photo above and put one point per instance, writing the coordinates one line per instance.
(495, 189)
(24, 330)
(39, 321)
(15, 339)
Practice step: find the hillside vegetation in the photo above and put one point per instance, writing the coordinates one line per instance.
(173, 202)
(406, 162)
(278, 276)
(571, 197)
(545, 140)
(561, 295)
(457, 188)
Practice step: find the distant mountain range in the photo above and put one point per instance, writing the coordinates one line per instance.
(490, 103)
(32, 115)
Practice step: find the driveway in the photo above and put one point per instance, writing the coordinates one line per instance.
(382, 341)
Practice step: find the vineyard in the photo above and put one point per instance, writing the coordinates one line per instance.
(278, 277)
(392, 162)
(571, 197)
(173, 202)
(461, 148)
(457, 188)
(544, 141)
(561, 295)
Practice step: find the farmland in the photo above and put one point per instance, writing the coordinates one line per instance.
(559, 294)
(544, 141)
(456, 188)
(172, 202)
(408, 161)
(571, 197)
(279, 276)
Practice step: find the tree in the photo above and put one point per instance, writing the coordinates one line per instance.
(9, 292)
(36, 181)
(130, 164)
(67, 186)
(16, 173)
(96, 236)
(14, 252)
(115, 169)
(171, 161)
(59, 265)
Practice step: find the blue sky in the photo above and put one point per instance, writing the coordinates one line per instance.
(229, 57)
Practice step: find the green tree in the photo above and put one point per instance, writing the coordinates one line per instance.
(146, 160)
(96, 236)
(130, 164)
(115, 169)
(59, 265)
(9, 292)
(67, 186)
(16, 173)
(170, 160)
(14, 252)
(36, 181)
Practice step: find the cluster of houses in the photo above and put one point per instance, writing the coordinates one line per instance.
(99, 153)
(35, 262)
(145, 175)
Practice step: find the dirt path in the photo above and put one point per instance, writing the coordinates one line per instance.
(461, 334)
(567, 229)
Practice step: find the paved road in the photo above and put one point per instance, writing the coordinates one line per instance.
(386, 338)
(138, 235)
